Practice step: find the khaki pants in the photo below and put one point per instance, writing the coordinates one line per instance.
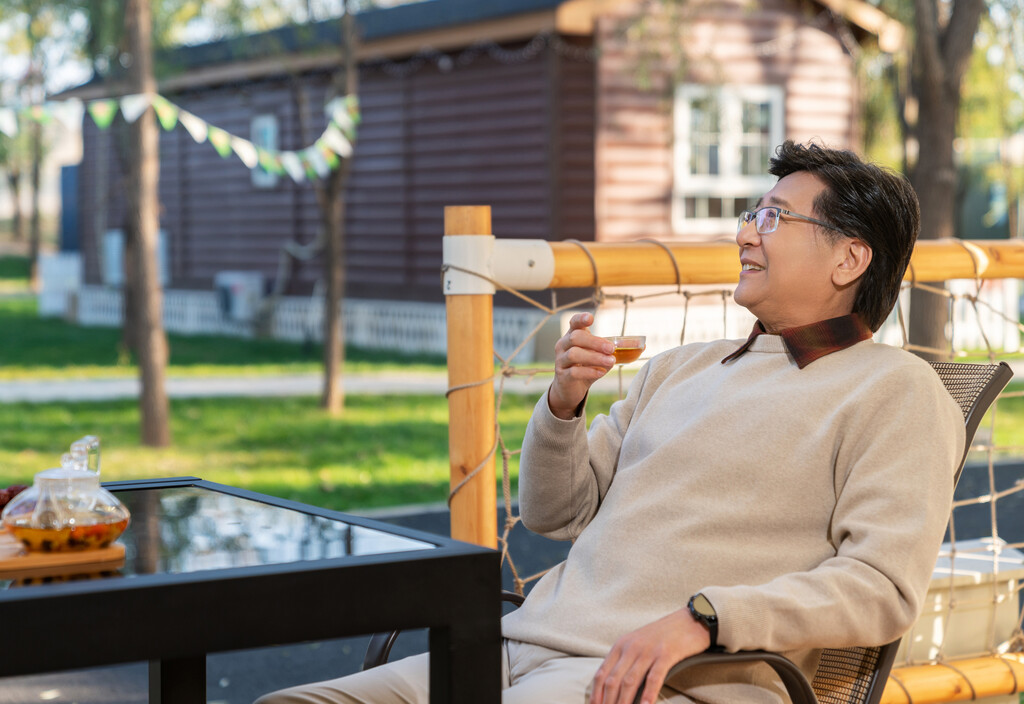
(530, 674)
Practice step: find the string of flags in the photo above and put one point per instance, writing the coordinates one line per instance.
(315, 161)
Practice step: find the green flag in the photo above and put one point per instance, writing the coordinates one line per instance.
(220, 140)
(103, 112)
(166, 112)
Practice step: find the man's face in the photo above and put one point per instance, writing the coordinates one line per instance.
(787, 274)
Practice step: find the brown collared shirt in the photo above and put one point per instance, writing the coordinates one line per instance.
(807, 343)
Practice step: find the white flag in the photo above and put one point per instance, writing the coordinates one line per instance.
(293, 165)
(8, 122)
(246, 151)
(337, 111)
(337, 142)
(69, 112)
(132, 106)
(317, 161)
(195, 126)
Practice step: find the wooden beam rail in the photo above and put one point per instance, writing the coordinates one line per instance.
(647, 263)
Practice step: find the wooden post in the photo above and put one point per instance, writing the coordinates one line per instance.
(471, 421)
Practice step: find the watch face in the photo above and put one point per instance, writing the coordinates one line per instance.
(702, 606)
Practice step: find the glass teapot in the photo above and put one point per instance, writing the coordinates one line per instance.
(66, 508)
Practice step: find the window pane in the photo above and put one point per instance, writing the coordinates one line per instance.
(756, 117)
(755, 152)
(714, 207)
(704, 135)
(754, 159)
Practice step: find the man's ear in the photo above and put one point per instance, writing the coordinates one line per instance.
(855, 257)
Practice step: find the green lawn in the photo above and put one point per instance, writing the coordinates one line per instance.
(384, 451)
(14, 273)
(34, 347)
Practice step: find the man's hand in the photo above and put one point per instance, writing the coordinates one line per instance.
(642, 659)
(580, 360)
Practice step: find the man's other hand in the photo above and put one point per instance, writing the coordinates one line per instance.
(642, 659)
(580, 359)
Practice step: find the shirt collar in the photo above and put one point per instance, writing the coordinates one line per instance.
(807, 343)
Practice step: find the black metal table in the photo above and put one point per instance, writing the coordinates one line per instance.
(211, 568)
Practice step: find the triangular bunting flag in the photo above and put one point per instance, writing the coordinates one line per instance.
(166, 112)
(195, 126)
(293, 165)
(269, 161)
(330, 157)
(246, 151)
(352, 102)
(316, 160)
(334, 140)
(69, 113)
(132, 106)
(103, 112)
(40, 114)
(220, 140)
(9, 122)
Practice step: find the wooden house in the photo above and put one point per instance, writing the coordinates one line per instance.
(573, 119)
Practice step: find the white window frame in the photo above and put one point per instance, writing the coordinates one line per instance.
(263, 133)
(728, 183)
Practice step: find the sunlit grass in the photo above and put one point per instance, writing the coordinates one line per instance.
(384, 451)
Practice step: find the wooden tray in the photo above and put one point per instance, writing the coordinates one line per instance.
(18, 563)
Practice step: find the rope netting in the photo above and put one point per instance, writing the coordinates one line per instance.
(992, 567)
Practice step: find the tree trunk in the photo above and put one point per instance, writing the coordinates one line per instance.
(18, 224)
(34, 233)
(144, 171)
(333, 398)
(941, 54)
(332, 205)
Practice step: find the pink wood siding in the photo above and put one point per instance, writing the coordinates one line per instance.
(772, 42)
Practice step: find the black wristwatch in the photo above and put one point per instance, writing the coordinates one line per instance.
(704, 613)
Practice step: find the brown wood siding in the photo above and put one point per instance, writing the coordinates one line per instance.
(477, 134)
(770, 43)
(574, 84)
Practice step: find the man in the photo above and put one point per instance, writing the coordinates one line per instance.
(788, 492)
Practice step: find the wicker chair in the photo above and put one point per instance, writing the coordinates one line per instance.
(858, 675)
(845, 675)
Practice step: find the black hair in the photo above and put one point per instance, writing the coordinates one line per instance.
(865, 201)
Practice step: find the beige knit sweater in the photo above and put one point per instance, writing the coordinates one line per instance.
(807, 504)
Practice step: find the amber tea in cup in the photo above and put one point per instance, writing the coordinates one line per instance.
(628, 348)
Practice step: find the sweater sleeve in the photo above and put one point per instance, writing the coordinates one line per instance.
(564, 472)
(894, 487)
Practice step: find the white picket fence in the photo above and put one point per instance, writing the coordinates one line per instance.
(420, 327)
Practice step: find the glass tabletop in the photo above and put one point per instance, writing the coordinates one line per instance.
(187, 529)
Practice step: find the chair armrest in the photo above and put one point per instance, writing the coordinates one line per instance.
(796, 684)
(379, 648)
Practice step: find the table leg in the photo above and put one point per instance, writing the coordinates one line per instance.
(177, 681)
(466, 669)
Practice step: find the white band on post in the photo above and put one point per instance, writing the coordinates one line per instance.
(524, 265)
(472, 253)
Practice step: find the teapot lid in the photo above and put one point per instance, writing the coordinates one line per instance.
(69, 476)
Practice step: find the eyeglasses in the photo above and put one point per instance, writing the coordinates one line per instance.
(767, 220)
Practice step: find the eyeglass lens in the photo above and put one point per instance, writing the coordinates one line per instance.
(766, 220)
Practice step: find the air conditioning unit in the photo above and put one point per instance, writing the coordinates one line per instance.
(239, 294)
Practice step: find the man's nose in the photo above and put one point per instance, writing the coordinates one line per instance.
(748, 234)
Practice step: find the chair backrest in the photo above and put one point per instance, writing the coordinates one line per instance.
(858, 675)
